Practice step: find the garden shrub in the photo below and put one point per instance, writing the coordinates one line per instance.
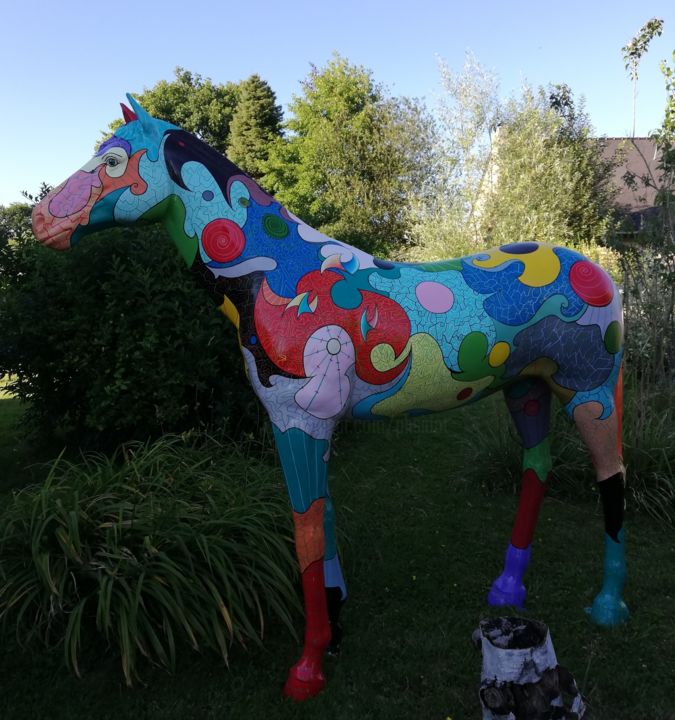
(115, 341)
(160, 547)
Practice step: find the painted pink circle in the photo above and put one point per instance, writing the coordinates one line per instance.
(434, 297)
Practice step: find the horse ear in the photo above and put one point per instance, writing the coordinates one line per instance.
(141, 114)
(127, 114)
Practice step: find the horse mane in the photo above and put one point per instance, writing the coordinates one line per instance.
(181, 147)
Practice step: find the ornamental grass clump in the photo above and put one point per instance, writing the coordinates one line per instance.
(161, 547)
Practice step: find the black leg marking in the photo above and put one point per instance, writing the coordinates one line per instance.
(335, 603)
(612, 494)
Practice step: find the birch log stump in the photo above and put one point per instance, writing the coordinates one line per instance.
(521, 678)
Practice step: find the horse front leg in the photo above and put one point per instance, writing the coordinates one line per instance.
(336, 590)
(304, 460)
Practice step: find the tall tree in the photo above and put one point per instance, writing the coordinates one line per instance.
(15, 228)
(353, 158)
(635, 49)
(551, 182)
(255, 124)
(525, 169)
(468, 113)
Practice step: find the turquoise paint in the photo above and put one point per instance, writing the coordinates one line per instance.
(608, 608)
(305, 470)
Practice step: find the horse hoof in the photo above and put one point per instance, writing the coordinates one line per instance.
(300, 689)
(608, 611)
(506, 593)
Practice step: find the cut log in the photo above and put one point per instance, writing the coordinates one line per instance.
(521, 678)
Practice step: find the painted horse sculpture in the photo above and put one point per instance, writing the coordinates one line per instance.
(328, 332)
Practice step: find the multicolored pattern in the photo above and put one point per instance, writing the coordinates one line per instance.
(329, 332)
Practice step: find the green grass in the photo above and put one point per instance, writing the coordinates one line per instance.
(421, 543)
(10, 443)
(19, 460)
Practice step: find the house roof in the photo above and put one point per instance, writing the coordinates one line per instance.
(639, 157)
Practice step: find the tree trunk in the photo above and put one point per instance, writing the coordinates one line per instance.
(521, 678)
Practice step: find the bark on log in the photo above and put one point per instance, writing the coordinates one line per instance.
(521, 678)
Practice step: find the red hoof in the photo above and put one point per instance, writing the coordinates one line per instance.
(300, 689)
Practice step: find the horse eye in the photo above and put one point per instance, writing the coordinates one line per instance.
(112, 162)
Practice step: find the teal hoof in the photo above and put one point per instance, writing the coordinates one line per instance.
(608, 610)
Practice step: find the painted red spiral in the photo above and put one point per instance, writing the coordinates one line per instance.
(591, 283)
(223, 240)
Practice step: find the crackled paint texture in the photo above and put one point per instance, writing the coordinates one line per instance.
(329, 332)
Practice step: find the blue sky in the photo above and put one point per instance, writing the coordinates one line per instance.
(65, 66)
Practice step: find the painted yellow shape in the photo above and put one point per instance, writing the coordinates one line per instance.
(541, 266)
(545, 368)
(383, 357)
(296, 300)
(232, 314)
(230, 311)
(430, 385)
(499, 354)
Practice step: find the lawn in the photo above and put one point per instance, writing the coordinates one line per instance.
(19, 462)
(11, 447)
(421, 544)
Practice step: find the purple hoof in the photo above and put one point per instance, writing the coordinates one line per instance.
(508, 588)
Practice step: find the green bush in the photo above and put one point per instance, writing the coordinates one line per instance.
(114, 341)
(162, 545)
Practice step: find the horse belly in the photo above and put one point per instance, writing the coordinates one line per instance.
(426, 385)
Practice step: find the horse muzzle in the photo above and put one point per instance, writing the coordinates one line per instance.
(51, 231)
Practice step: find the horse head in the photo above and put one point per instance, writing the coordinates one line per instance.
(151, 170)
(122, 183)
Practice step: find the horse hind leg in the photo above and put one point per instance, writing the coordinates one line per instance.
(529, 402)
(599, 424)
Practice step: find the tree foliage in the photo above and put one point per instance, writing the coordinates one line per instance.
(195, 104)
(256, 123)
(649, 262)
(15, 227)
(635, 49)
(445, 223)
(523, 169)
(353, 158)
(551, 183)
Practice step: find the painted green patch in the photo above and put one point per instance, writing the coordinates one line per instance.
(172, 211)
(473, 359)
(613, 337)
(538, 458)
(274, 226)
(440, 266)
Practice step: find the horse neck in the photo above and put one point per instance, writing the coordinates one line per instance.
(182, 148)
